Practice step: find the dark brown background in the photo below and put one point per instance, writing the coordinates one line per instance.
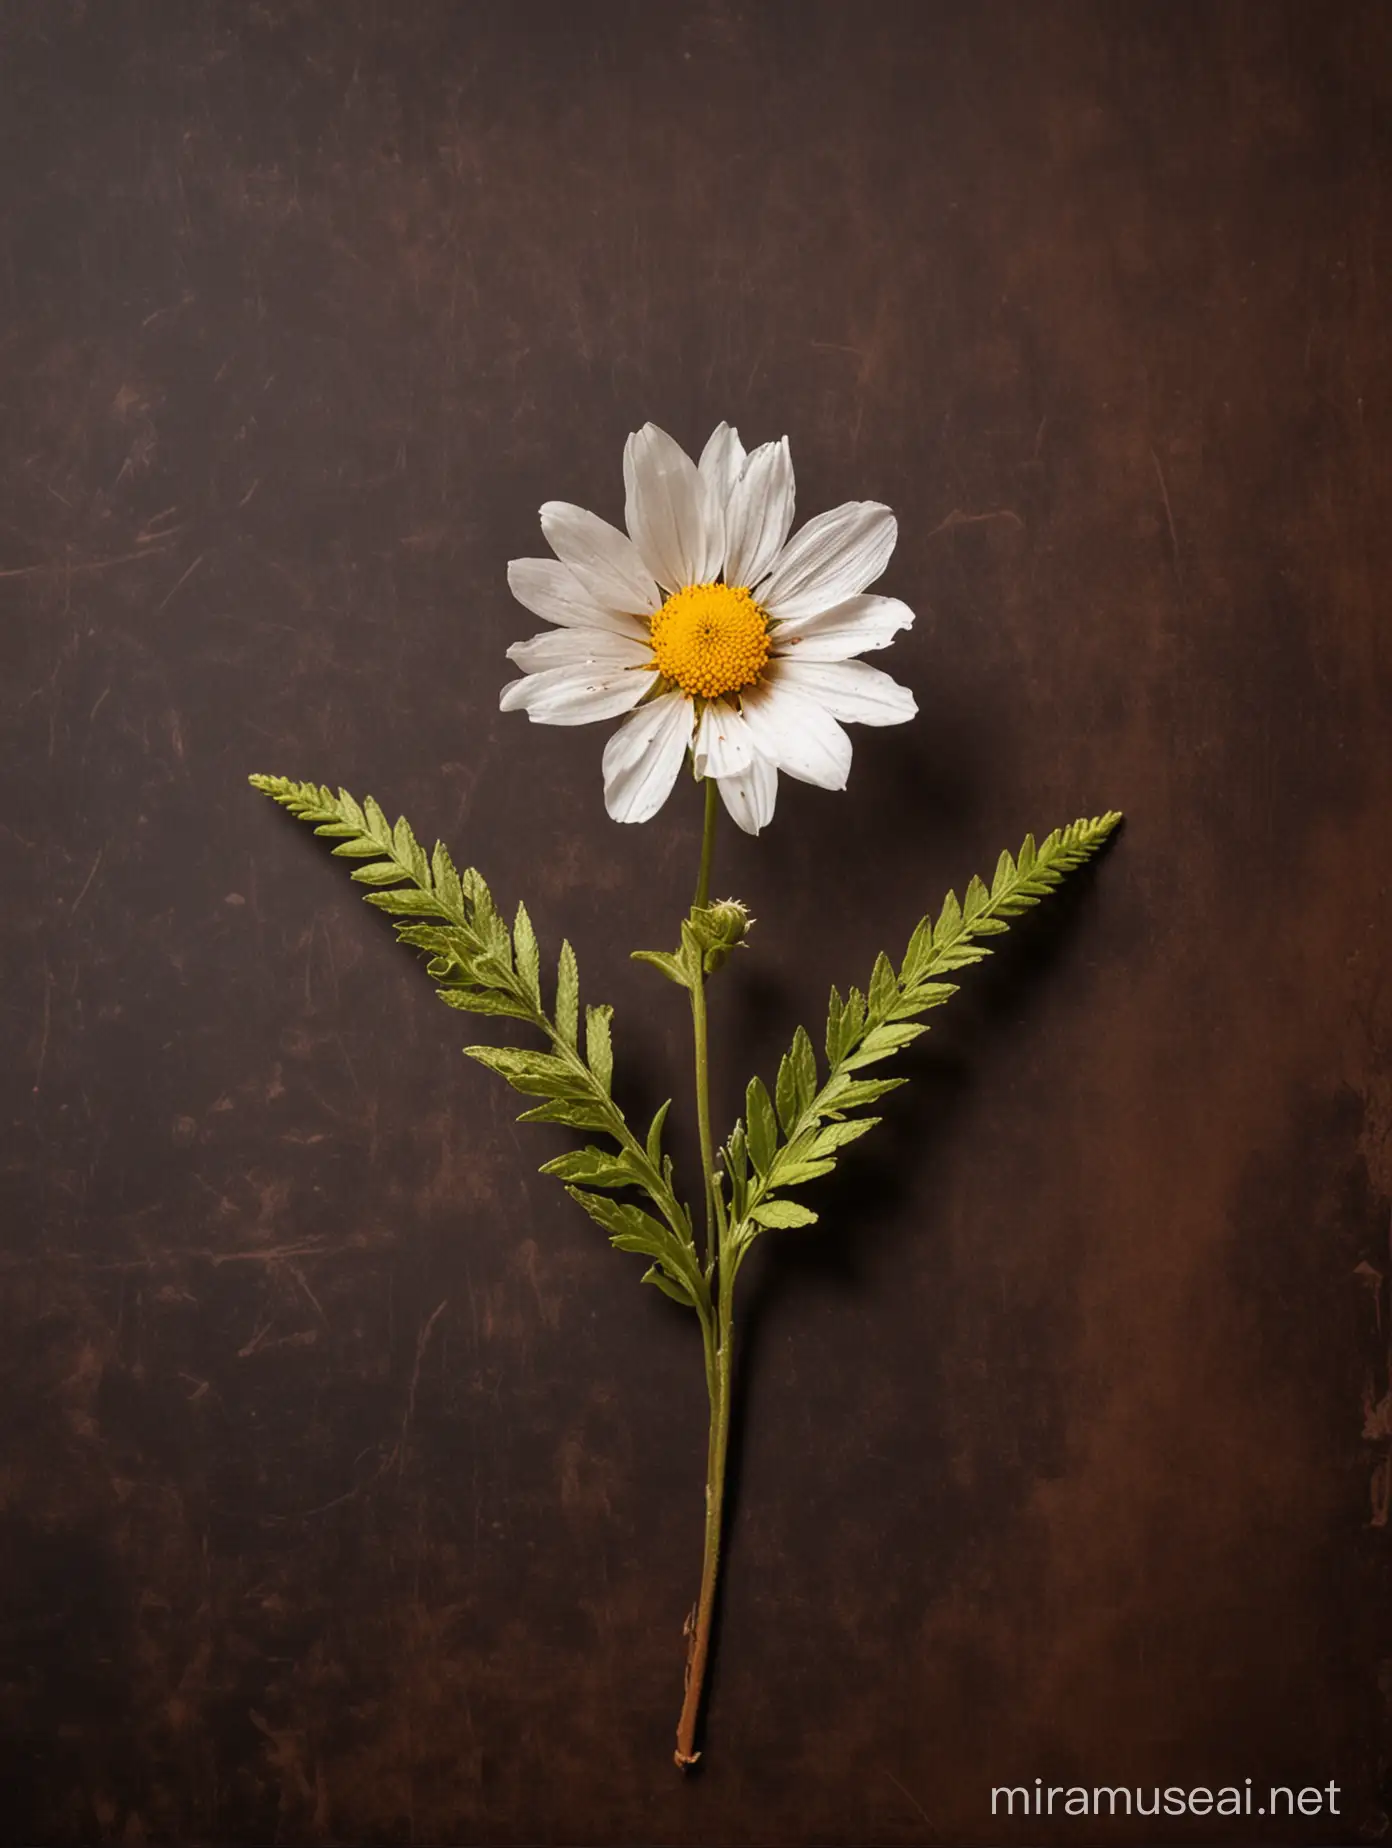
(352, 1486)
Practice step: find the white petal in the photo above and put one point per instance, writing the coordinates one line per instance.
(797, 735)
(670, 511)
(851, 691)
(576, 695)
(579, 648)
(749, 794)
(549, 590)
(722, 461)
(759, 514)
(605, 560)
(723, 745)
(832, 558)
(642, 758)
(850, 628)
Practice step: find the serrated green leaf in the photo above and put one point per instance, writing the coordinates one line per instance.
(920, 946)
(855, 1017)
(484, 1001)
(783, 1213)
(668, 1286)
(351, 811)
(858, 1091)
(527, 957)
(791, 1173)
(409, 852)
(760, 1128)
(568, 997)
(948, 961)
(573, 1112)
(409, 902)
(633, 1241)
(384, 873)
(671, 966)
(654, 1143)
(919, 1000)
(949, 922)
(785, 1094)
(590, 1167)
(836, 1135)
(539, 1074)
(475, 889)
(884, 986)
(489, 925)
(835, 1009)
(804, 1063)
(599, 1052)
(880, 1041)
(629, 1227)
(447, 885)
(439, 939)
(737, 1154)
(377, 823)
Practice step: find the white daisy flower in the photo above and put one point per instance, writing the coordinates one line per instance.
(716, 631)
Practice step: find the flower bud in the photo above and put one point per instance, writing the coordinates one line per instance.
(718, 928)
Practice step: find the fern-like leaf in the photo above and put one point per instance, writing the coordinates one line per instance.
(865, 1029)
(481, 967)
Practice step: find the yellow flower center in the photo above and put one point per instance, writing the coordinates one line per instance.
(710, 639)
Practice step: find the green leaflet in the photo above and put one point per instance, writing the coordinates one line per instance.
(883, 984)
(536, 1074)
(599, 1050)
(835, 1136)
(574, 1112)
(782, 1213)
(568, 997)
(760, 1126)
(654, 1142)
(590, 1167)
(671, 966)
(797, 1081)
(527, 957)
(668, 1286)
(628, 1226)
(865, 1029)
(631, 1229)
(484, 1001)
(482, 967)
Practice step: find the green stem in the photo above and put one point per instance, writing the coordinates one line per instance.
(717, 1333)
(719, 1365)
(707, 842)
(715, 1206)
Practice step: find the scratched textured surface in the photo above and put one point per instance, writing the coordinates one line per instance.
(351, 1487)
